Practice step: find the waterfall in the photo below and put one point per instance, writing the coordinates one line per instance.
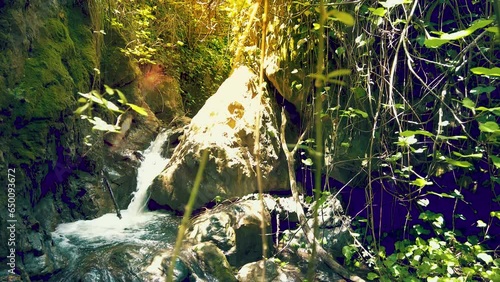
(109, 229)
(151, 166)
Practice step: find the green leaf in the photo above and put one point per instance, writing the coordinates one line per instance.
(395, 157)
(123, 99)
(111, 106)
(468, 103)
(485, 71)
(308, 162)
(424, 202)
(340, 72)
(434, 42)
(496, 161)
(476, 155)
(466, 32)
(359, 112)
(464, 164)
(109, 90)
(489, 126)
(495, 214)
(343, 17)
(420, 182)
(101, 125)
(348, 251)
(485, 257)
(404, 141)
(139, 110)
(391, 3)
(91, 96)
(495, 111)
(372, 276)
(481, 223)
(458, 137)
(317, 76)
(82, 109)
(378, 12)
(408, 133)
(316, 26)
(482, 89)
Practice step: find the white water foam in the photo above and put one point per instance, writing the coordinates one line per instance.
(109, 229)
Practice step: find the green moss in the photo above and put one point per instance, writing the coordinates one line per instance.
(41, 93)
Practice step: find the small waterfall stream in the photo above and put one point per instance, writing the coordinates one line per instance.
(110, 249)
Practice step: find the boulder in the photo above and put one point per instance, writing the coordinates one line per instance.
(225, 127)
(234, 228)
(274, 272)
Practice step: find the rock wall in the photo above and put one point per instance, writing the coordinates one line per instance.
(47, 55)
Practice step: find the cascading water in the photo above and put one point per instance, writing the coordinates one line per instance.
(92, 244)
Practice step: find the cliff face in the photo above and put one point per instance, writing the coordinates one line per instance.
(47, 55)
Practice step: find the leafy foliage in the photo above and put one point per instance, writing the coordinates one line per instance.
(93, 98)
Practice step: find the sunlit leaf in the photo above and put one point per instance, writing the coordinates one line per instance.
(466, 32)
(496, 161)
(395, 157)
(404, 141)
(458, 137)
(482, 89)
(316, 26)
(495, 214)
(139, 110)
(486, 71)
(82, 109)
(420, 182)
(91, 97)
(476, 155)
(495, 111)
(111, 106)
(317, 76)
(343, 17)
(464, 164)
(423, 202)
(340, 72)
(485, 257)
(109, 90)
(123, 99)
(308, 162)
(481, 223)
(101, 125)
(391, 3)
(493, 29)
(489, 126)
(407, 133)
(418, 151)
(378, 11)
(434, 42)
(468, 103)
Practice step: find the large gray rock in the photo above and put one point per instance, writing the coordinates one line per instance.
(234, 228)
(274, 272)
(225, 127)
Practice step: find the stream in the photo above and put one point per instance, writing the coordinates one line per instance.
(112, 249)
